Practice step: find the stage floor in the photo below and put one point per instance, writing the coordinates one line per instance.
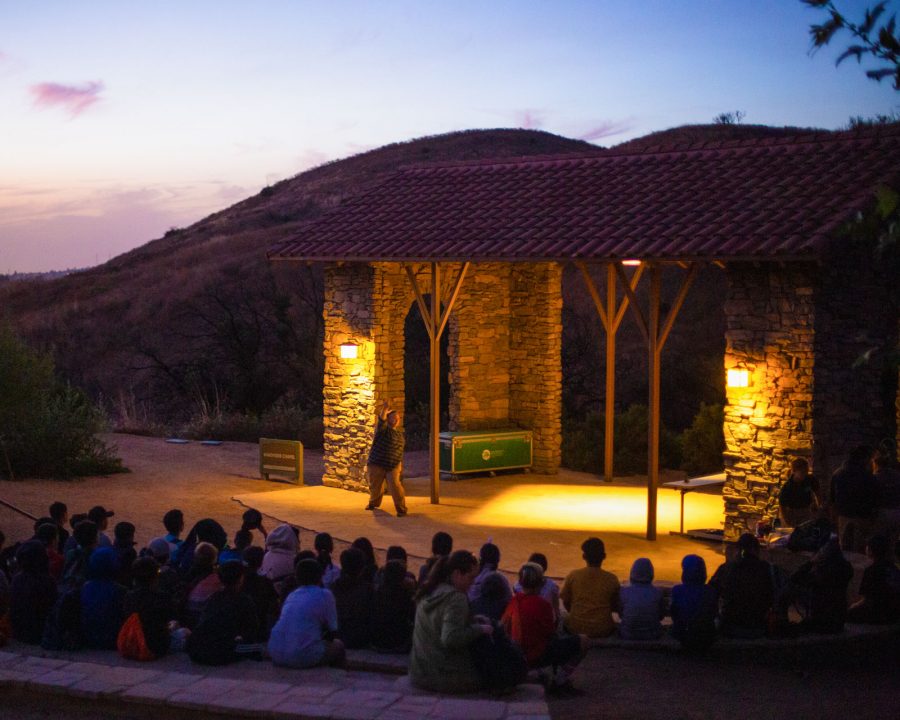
(521, 513)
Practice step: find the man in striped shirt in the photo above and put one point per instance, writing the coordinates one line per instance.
(386, 461)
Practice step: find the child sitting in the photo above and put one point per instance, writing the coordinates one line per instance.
(643, 604)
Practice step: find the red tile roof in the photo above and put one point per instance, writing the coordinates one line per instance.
(777, 197)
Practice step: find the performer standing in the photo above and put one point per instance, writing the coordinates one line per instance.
(386, 460)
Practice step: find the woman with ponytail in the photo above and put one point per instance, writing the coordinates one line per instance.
(440, 660)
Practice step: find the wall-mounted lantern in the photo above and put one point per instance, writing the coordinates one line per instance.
(631, 262)
(738, 377)
(349, 351)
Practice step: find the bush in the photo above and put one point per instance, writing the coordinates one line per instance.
(704, 441)
(582, 444)
(282, 420)
(47, 428)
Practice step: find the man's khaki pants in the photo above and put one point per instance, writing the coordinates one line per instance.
(377, 478)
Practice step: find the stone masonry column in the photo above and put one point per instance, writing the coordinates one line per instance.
(769, 332)
(535, 357)
(364, 305)
(349, 389)
(479, 350)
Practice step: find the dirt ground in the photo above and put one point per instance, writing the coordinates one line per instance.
(221, 481)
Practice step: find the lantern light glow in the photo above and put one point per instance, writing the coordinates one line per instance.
(738, 378)
(349, 351)
(631, 263)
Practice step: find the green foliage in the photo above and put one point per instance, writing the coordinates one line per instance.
(704, 441)
(47, 428)
(282, 420)
(583, 443)
(875, 38)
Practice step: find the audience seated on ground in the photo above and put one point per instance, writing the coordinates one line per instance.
(879, 601)
(74, 521)
(204, 531)
(394, 610)
(591, 595)
(819, 589)
(261, 590)
(100, 516)
(745, 586)
(32, 593)
(47, 533)
(490, 592)
(440, 659)
(59, 511)
(123, 544)
(643, 605)
(441, 546)
(202, 583)
(694, 606)
(281, 549)
(370, 569)
(549, 590)
(397, 553)
(228, 628)
(354, 595)
(154, 610)
(102, 601)
(324, 550)
(530, 622)
(304, 634)
(173, 522)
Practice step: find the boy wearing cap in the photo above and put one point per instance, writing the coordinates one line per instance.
(99, 515)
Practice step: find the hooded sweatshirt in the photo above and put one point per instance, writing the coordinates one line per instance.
(102, 601)
(440, 660)
(642, 604)
(694, 605)
(281, 550)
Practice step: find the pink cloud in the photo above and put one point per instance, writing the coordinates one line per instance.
(529, 119)
(75, 98)
(607, 128)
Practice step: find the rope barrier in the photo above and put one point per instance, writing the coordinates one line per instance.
(16, 509)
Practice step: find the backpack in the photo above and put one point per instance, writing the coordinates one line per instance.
(499, 662)
(810, 536)
(131, 642)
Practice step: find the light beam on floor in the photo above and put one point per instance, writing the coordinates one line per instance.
(591, 508)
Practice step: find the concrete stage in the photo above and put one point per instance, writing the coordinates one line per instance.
(521, 513)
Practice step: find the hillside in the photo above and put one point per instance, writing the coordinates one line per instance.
(198, 321)
(193, 319)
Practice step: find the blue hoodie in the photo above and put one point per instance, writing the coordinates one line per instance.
(102, 601)
(693, 604)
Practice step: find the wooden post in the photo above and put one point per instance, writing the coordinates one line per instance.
(609, 413)
(653, 419)
(435, 323)
(434, 396)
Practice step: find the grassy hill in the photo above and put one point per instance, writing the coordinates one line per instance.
(198, 321)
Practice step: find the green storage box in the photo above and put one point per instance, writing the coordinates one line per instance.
(484, 450)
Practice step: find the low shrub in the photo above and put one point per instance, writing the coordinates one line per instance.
(704, 441)
(47, 428)
(582, 444)
(282, 420)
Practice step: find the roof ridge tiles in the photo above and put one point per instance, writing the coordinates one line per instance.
(798, 140)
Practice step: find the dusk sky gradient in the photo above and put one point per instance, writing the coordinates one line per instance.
(121, 120)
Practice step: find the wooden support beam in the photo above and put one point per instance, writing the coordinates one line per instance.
(633, 303)
(434, 396)
(445, 316)
(610, 410)
(654, 386)
(595, 295)
(635, 279)
(686, 283)
(420, 299)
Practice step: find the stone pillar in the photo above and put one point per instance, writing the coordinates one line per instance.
(479, 350)
(349, 403)
(769, 331)
(365, 305)
(535, 358)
